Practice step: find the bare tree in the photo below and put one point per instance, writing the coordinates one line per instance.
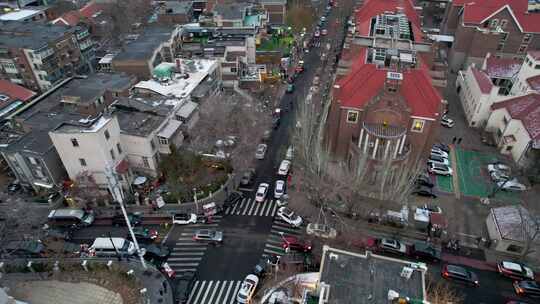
(438, 292)
(124, 13)
(85, 191)
(225, 117)
(529, 230)
(300, 14)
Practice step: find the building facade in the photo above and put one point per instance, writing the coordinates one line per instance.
(384, 106)
(39, 56)
(505, 28)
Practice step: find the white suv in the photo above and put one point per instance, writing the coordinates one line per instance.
(439, 169)
(247, 289)
(279, 189)
(284, 167)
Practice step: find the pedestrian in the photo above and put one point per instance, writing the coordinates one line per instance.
(459, 140)
(454, 140)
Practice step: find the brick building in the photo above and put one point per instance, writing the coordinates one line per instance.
(39, 56)
(504, 28)
(384, 105)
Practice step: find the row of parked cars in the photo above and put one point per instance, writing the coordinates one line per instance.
(438, 161)
(500, 174)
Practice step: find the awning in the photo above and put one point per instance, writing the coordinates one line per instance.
(139, 180)
(169, 129)
(48, 186)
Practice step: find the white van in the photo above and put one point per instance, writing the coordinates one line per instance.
(103, 246)
(290, 153)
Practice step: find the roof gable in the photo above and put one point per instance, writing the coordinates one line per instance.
(525, 108)
(483, 81)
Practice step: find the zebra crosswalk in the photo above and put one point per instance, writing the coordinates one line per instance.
(280, 229)
(187, 254)
(249, 207)
(214, 292)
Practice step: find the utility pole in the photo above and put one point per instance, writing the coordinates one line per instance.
(118, 195)
(195, 200)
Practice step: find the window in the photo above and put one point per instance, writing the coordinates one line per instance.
(509, 148)
(352, 116)
(152, 144)
(537, 67)
(505, 121)
(417, 126)
(39, 173)
(119, 148)
(522, 49)
(503, 23)
(145, 162)
(493, 23)
(500, 47)
(163, 141)
(112, 154)
(526, 38)
(107, 135)
(74, 142)
(82, 161)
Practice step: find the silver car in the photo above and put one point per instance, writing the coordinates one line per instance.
(261, 151)
(208, 235)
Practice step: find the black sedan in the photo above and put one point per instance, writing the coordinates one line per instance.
(424, 191)
(460, 274)
(527, 288)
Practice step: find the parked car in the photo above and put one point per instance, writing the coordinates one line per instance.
(184, 218)
(208, 235)
(156, 254)
(290, 153)
(527, 288)
(247, 289)
(390, 246)
(438, 160)
(447, 121)
(441, 146)
(515, 271)
(284, 167)
(439, 169)
(247, 177)
(279, 189)
(439, 153)
(498, 176)
(13, 187)
(275, 122)
(511, 185)
(424, 180)
(183, 287)
(291, 243)
(317, 33)
(425, 251)
(321, 230)
(134, 219)
(459, 274)
(262, 191)
(27, 249)
(324, 32)
(424, 191)
(261, 151)
(288, 216)
(431, 208)
(498, 167)
(233, 198)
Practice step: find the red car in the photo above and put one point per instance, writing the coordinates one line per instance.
(295, 244)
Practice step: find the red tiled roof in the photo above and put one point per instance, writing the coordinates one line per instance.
(525, 108)
(15, 91)
(476, 11)
(90, 9)
(534, 82)
(502, 67)
(534, 54)
(372, 8)
(365, 81)
(69, 18)
(482, 80)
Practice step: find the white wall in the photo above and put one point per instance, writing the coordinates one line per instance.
(476, 105)
(94, 148)
(528, 69)
(514, 127)
(137, 147)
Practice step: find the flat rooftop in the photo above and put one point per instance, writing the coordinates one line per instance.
(20, 14)
(366, 278)
(146, 44)
(30, 35)
(176, 85)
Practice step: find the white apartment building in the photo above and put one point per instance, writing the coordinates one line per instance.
(90, 148)
(528, 78)
(477, 94)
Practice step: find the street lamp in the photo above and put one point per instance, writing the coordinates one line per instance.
(195, 200)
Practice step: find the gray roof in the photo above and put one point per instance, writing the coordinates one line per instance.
(140, 116)
(355, 278)
(231, 11)
(175, 7)
(144, 47)
(282, 2)
(31, 35)
(514, 222)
